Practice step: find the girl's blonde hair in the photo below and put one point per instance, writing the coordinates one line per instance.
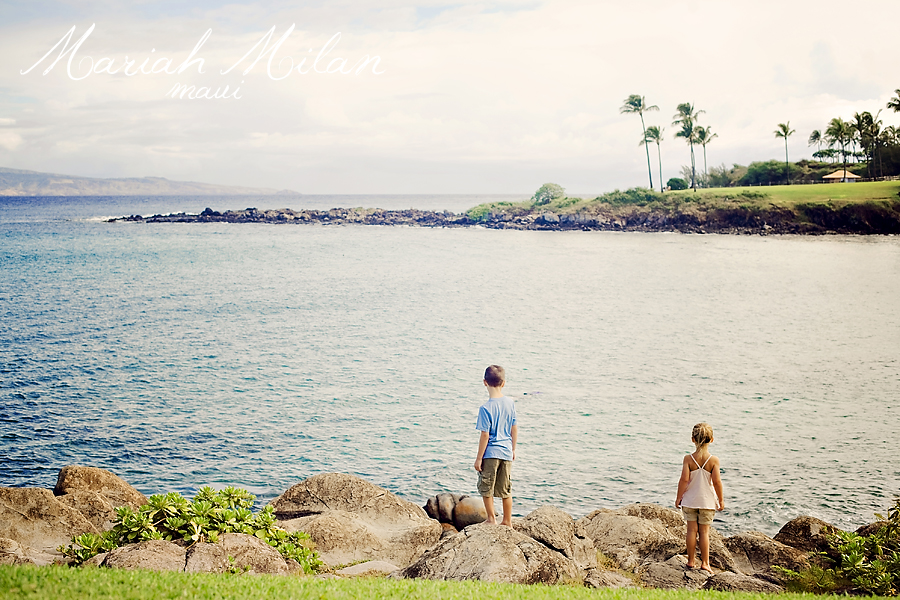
(702, 434)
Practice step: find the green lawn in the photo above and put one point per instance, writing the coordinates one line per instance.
(99, 584)
(791, 195)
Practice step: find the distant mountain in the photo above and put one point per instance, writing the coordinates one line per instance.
(15, 182)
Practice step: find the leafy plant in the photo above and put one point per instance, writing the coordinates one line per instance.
(203, 519)
(548, 192)
(861, 563)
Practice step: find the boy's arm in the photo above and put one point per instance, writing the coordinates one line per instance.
(482, 446)
(683, 482)
(514, 433)
(717, 485)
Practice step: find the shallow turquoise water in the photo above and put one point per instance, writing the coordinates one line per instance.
(257, 355)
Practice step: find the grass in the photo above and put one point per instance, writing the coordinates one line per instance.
(789, 196)
(64, 583)
(833, 195)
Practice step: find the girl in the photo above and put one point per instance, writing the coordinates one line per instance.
(700, 494)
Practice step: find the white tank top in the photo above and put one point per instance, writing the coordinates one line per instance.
(700, 492)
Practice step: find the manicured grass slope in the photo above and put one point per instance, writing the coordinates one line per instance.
(791, 195)
(67, 583)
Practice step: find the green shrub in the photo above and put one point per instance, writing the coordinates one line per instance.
(203, 519)
(861, 563)
(548, 192)
(677, 183)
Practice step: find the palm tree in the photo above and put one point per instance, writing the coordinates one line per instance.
(815, 138)
(705, 136)
(654, 134)
(894, 103)
(638, 104)
(686, 116)
(840, 132)
(784, 131)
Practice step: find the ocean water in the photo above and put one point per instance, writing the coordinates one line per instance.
(180, 355)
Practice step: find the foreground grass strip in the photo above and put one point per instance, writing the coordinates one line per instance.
(100, 584)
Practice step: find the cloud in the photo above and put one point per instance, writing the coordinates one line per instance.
(474, 97)
(10, 140)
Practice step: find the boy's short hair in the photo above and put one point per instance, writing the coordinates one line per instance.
(494, 375)
(702, 433)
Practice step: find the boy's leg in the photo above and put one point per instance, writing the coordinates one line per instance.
(704, 548)
(489, 509)
(691, 543)
(507, 512)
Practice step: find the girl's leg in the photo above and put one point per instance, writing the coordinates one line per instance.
(692, 542)
(704, 548)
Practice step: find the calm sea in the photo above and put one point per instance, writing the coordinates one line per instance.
(180, 355)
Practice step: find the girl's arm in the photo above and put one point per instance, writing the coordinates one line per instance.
(683, 482)
(717, 485)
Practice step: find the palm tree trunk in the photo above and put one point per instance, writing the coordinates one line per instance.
(693, 169)
(705, 170)
(787, 164)
(646, 147)
(659, 156)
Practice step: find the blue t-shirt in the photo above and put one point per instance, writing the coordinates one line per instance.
(497, 416)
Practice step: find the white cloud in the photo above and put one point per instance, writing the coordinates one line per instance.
(10, 140)
(474, 97)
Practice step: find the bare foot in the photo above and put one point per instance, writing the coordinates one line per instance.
(508, 524)
(690, 566)
(707, 568)
(490, 521)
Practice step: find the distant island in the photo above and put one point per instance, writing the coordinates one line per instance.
(15, 182)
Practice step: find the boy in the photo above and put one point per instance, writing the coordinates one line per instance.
(497, 446)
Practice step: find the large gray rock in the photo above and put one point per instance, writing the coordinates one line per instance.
(755, 552)
(469, 510)
(551, 527)
(351, 519)
(806, 533)
(12, 553)
(440, 507)
(150, 555)
(250, 551)
(493, 553)
(33, 517)
(672, 574)
(737, 582)
(94, 507)
(597, 578)
(646, 533)
(74, 478)
(207, 558)
(375, 567)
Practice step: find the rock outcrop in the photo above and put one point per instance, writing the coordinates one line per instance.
(493, 553)
(253, 554)
(151, 555)
(672, 574)
(34, 518)
(806, 533)
(755, 552)
(736, 582)
(351, 519)
(93, 507)
(556, 529)
(116, 490)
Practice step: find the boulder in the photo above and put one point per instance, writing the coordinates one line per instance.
(440, 507)
(805, 533)
(250, 551)
(206, 558)
(150, 555)
(493, 553)
(737, 582)
(351, 519)
(96, 560)
(646, 533)
(374, 567)
(11, 553)
(119, 493)
(469, 511)
(755, 552)
(672, 574)
(94, 507)
(870, 528)
(597, 578)
(33, 517)
(551, 527)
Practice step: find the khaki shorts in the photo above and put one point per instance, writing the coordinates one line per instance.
(493, 480)
(703, 516)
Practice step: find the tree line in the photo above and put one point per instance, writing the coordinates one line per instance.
(874, 148)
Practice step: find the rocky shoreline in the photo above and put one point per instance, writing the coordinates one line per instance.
(865, 219)
(353, 521)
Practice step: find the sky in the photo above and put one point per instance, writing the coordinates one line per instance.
(493, 97)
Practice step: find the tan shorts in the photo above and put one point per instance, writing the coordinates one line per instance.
(703, 516)
(494, 480)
